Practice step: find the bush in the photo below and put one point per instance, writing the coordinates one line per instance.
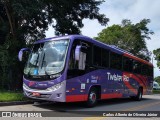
(6, 96)
(156, 91)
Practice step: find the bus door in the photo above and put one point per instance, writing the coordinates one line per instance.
(79, 66)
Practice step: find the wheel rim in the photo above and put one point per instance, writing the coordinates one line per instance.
(140, 95)
(92, 97)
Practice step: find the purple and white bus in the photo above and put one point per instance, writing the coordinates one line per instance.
(77, 68)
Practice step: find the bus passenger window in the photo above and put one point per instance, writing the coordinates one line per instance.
(144, 69)
(115, 61)
(97, 56)
(127, 64)
(73, 64)
(105, 58)
(136, 67)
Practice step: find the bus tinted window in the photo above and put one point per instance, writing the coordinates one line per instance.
(115, 61)
(88, 55)
(136, 67)
(97, 56)
(127, 64)
(105, 58)
(145, 70)
(72, 63)
(150, 70)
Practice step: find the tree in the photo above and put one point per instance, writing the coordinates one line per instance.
(157, 79)
(24, 21)
(157, 56)
(128, 36)
(33, 17)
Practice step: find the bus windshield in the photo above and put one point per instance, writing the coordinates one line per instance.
(47, 58)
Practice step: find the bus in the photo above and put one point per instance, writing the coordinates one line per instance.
(76, 68)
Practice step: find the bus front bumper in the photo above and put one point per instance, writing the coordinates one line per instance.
(50, 94)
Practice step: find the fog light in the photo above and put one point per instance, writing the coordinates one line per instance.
(59, 95)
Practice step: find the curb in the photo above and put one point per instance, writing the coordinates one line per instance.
(17, 103)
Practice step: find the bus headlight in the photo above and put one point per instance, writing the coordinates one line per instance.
(55, 87)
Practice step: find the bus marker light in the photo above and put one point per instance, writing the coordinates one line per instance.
(73, 88)
(36, 94)
(82, 91)
(67, 90)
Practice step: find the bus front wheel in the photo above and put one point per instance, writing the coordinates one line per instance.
(92, 98)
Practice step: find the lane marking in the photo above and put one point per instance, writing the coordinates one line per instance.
(94, 118)
(141, 106)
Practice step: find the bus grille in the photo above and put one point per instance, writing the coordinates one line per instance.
(30, 94)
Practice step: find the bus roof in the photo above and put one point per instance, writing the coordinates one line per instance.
(113, 48)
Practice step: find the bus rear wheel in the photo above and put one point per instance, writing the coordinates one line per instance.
(92, 98)
(138, 97)
(139, 94)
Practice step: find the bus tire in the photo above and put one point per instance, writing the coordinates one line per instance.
(138, 97)
(92, 98)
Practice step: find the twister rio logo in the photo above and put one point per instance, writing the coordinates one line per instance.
(31, 83)
(127, 78)
(116, 77)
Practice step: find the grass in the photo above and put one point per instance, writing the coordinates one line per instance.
(156, 91)
(7, 96)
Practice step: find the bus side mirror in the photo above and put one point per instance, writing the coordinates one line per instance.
(80, 56)
(20, 54)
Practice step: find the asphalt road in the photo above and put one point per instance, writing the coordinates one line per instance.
(148, 103)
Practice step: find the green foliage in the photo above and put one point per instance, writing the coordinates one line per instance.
(30, 18)
(156, 91)
(24, 21)
(157, 79)
(128, 36)
(157, 56)
(11, 96)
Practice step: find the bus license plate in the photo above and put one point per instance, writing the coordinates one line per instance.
(36, 94)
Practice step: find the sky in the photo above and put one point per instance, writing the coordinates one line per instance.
(134, 10)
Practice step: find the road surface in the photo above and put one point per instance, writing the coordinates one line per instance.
(148, 103)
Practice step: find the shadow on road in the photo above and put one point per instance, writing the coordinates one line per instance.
(80, 106)
(78, 109)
